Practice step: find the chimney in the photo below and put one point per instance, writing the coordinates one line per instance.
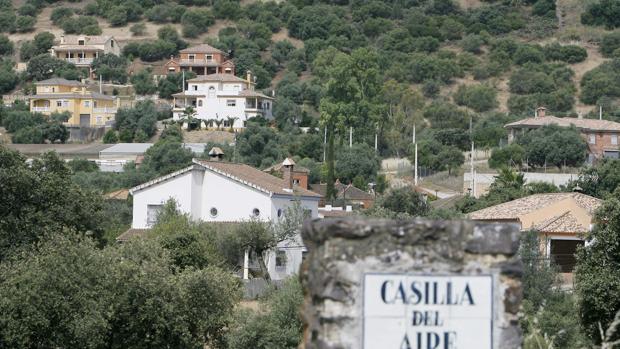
(216, 154)
(287, 169)
(248, 76)
(62, 39)
(540, 112)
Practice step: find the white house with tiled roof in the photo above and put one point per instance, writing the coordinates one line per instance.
(222, 100)
(222, 192)
(561, 219)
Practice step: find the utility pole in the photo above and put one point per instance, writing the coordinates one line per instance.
(183, 86)
(600, 112)
(376, 136)
(100, 82)
(415, 159)
(324, 143)
(473, 172)
(351, 137)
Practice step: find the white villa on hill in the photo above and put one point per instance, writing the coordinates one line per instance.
(222, 100)
(223, 192)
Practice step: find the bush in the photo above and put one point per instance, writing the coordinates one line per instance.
(8, 79)
(404, 200)
(478, 97)
(527, 54)
(600, 82)
(201, 19)
(610, 43)
(7, 21)
(565, 53)
(143, 83)
(138, 29)
(142, 116)
(603, 13)
(508, 156)
(6, 46)
(59, 14)
(81, 25)
(25, 24)
(471, 43)
(110, 137)
(111, 67)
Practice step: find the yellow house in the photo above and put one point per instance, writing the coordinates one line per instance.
(561, 220)
(87, 108)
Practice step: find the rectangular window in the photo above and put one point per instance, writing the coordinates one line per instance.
(59, 103)
(280, 259)
(209, 57)
(87, 104)
(152, 211)
(231, 102)
(592, 138)
(195, 87)
(614, 139)
(191, 57)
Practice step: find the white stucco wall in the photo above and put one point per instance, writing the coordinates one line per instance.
(178, 188)
(234, 201)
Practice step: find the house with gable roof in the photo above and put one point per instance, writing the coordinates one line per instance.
(202, 59)
(561, 220)
(602, 136)
(224, 192)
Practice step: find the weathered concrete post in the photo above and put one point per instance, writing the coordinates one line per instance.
(379, 284)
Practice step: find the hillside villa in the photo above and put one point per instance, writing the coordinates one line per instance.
(81, 50)
(86, 108)
(223, 193)
(560, 219)
(202, 59)
(601, 135)
(222, 100)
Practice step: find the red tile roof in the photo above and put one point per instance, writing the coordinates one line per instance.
(584, 124)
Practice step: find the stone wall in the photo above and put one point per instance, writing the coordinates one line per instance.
(343, 251)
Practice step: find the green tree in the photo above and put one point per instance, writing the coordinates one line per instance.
(600, 180)
(404, 200)
(143, 82)
(554, 145)
(508, 156)
(88, 297)
(6, 46)
(166, 157)
(478, 97)
(598, 270)
(111, 68)
(360, 160)
(278, 327)
(40, 200)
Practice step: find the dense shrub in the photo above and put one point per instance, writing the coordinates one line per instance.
(81, 25)
(6, 46)
(478, 97)
(610, 43)
(508, 156)
(565, 53)
(25, 24)
(601, 81)
(554, 146)
(602, 13)
(59, 14)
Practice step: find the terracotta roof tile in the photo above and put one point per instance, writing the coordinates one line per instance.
(59, 81)
(514, 209)
(88, 39)
(254, 177)
(584, 124)
(563, 223)
(217, 77)
(203, 48)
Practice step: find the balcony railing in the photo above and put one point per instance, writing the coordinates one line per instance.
(105, 110)
(79, 60)
(198, 61)
(40, 109)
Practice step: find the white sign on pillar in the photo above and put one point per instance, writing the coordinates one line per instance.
(408, 311)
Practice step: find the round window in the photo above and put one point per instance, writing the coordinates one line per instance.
(256, 212)
(213, 212)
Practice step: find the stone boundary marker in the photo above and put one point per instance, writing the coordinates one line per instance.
(419, 284)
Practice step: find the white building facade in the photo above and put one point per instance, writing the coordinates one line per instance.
(222, 100)
(215, 191)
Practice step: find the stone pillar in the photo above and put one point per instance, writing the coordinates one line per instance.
(380, 284)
